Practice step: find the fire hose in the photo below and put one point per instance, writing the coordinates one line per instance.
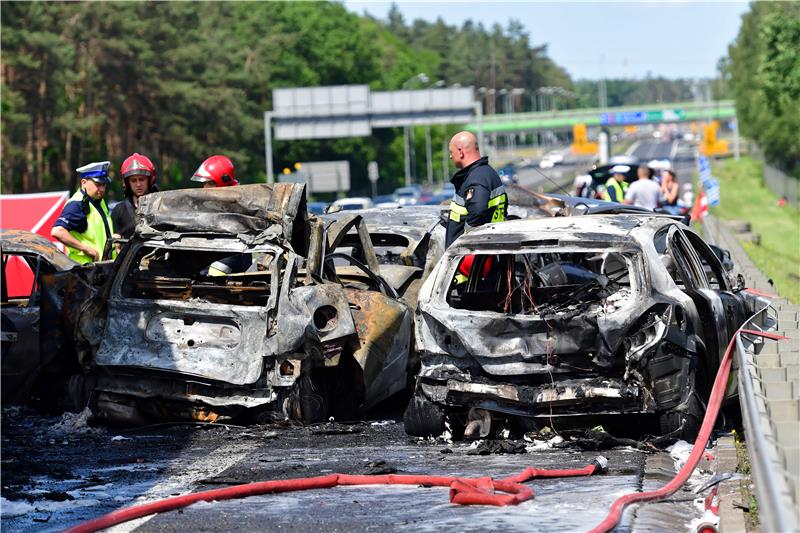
(710, 418)
(463, 491)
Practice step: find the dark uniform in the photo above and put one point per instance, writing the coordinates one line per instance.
(124, 218)
(480, 198)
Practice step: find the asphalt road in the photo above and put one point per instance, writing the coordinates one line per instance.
(59, 474)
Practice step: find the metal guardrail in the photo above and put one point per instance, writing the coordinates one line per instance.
(775, 509)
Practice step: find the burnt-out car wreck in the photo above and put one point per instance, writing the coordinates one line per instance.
(571, 319)
(225, 303)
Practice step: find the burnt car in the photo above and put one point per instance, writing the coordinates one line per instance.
(26, 368)
(224, 303)
(573, 320)
(407, 241)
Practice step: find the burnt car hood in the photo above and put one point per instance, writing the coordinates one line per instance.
(262, 209)
(15, 241)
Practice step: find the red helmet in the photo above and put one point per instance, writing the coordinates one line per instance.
(218, 169)
(138, 165)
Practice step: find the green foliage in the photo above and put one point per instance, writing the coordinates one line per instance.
(764, 71)
(621, 92)
(745, 197)
(180, 81)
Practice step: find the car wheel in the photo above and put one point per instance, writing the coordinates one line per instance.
(683, 422)
(423, 418)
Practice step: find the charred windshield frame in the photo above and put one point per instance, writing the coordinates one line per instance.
(633, 280)
(227, 247)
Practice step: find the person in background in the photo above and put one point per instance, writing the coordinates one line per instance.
(669, 192)
(616, 186)
(85, 226)
(644, 192)
(216, 171)
(138, 178)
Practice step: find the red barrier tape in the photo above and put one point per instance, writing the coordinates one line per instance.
(714, 403)
(463, 491)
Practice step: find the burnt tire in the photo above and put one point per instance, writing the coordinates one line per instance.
(423, 418)
(683, 422)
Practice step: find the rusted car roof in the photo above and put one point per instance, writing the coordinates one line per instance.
(22, 242)
(246, 209)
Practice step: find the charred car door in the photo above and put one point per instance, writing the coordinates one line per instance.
(707, 301)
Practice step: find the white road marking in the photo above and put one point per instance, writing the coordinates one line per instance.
(184, 475)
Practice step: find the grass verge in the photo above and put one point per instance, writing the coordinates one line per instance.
(748, 498)
(745, 197)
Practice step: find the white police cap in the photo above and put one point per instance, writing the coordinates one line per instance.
(620, 169)
(97, 171)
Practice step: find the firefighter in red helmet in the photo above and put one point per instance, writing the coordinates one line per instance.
(138, 178)
(216, 171)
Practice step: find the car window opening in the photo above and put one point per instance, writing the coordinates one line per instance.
(541, 283)
(214, 276)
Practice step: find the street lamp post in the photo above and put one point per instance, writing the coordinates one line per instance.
(422, 78)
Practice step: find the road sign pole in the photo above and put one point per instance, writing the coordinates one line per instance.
(428, 154)
(268, 145)
(735, 137)
(407, 156)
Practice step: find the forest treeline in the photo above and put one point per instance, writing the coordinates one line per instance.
(763, 71)
(179, 81)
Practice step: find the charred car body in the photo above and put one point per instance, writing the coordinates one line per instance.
(27, 367)
(220, 306)
(566, 317)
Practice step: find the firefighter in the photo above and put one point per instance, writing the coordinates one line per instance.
(616, 186)
(480, 196)
(139, 178)
(216, 171)
(84, 225)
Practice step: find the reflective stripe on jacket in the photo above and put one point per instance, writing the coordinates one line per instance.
(479, 198)
(95, 234)
(619, 190)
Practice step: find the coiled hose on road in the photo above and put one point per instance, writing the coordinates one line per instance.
(463, 491)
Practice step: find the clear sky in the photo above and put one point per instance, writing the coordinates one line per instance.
(596, 39)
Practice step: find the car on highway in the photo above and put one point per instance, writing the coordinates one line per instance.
(573, 321)
(408, 195)
(317, 208)
(350, 204)
(30, 365)
(227, 303)
(508, 174)
(551, 159)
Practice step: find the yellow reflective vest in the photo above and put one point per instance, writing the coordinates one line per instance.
(619, 190)
(95, 234)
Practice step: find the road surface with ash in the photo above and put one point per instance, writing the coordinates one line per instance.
(58, 472)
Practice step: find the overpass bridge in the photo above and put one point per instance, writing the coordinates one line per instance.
(609, 117)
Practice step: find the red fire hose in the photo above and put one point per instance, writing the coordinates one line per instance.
(463, 491)
(714, 403)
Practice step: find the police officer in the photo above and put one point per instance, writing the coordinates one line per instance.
(480, 196)
(139, 178)
(84, 225)
(616, 186)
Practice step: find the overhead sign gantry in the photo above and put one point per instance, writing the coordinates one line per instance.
(354, 110)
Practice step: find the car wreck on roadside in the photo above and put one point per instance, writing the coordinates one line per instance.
(225, 304)
(566, 320)
(27, 369)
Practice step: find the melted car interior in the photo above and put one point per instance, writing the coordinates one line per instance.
(214, 276)
(537, 282)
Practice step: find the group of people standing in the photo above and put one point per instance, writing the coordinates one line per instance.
(87, 229)
(85, 226)
(645, 191)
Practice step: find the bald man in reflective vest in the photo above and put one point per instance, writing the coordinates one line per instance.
(480, 196)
